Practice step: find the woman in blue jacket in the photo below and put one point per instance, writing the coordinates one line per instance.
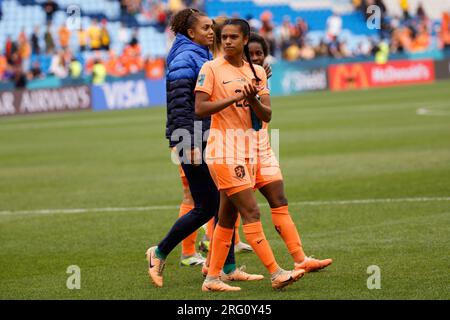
(190, 50)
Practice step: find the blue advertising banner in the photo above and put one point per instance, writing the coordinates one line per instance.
(293, 77)
(128, 93)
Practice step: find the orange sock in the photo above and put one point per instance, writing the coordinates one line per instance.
(210, 229)
(255, 236)
(220, 247)
(237, 239)
(188, 244)
(287, 230)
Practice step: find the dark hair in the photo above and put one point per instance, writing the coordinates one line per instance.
(254, 37)
(185, 20)
(245, 28)
(217, 27)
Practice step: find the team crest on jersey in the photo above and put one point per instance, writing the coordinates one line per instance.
(239, 171)
(201, 79)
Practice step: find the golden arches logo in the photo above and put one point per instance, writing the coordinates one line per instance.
(352, 76)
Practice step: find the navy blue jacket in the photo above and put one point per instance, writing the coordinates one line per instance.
(184, 62)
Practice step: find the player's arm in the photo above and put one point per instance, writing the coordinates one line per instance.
(260, 106)
(205, 108)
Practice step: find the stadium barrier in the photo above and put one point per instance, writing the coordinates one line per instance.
(128, 93)
(291, 78)
(370, 75)
(70, 98)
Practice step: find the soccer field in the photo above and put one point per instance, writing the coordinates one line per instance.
(367, 175)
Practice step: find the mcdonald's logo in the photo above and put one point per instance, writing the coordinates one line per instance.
(348, 76)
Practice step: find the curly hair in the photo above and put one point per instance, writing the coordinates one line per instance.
(184, 20)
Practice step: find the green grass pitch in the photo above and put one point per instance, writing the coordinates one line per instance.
(334, 148)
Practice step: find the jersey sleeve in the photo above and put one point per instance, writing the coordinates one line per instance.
(205, 80)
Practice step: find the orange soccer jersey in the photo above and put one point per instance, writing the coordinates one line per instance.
(231, 142)
(220, 80)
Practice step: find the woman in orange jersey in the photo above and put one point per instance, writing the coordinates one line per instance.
(228, 89)
(269, 181)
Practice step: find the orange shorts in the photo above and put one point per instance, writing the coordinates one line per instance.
(267, 170)
(233, 178)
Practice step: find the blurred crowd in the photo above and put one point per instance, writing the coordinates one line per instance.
(21, 59)
(401, 34)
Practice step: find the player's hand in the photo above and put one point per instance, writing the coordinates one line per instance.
(268, 68)
(250, 91)
(238, 97)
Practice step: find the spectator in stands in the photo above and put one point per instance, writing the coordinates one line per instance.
(421, 12)
(306, 52)
(334, 48)
(94, 33)
(114, 66)
(382, 52)
(1, 12)
(75, 69)
(267, 30)
(16, 60)
(285, 33)
(322, 49)
(48, 38)
(50, 7)
(334, 26)
(400, 40)
(19, 77)
(58, 65)
(421, 40)
(299, 31)
(98, 72)
(131, 57)
(3, 67)
(130, 6)
(24, 49)
(35, 71)
(10, 48)
(83, 38)
(161, 20)
(363, 49)
(292, 52)
(64, 36)
(104, 36)
(135, 37)
(344, 51)
(154, 68)
(35, 46)
(444, 33)
(404, 5)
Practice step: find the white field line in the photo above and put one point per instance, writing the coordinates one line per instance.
(174, 207)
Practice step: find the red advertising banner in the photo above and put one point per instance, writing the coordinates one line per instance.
(366, 75)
